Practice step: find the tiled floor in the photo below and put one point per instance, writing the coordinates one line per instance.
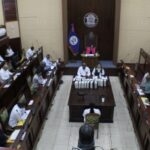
(59, 134)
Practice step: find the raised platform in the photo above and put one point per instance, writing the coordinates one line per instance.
(72, 66)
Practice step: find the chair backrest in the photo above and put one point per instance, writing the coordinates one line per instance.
(92, 119)
(4, 116)
(90, 39)
(29, 80)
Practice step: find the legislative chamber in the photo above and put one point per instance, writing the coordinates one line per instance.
(43, 44)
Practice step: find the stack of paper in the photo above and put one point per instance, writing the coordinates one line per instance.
(31, 102)
(140, 91)
(20, 123)
(6, 85)
(131, 76)
(23, 118)
(145, 100)
(13, 136)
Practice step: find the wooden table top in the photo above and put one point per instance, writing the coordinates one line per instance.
(92, 96)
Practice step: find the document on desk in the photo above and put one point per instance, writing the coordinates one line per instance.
(35, 56)
(145, 101)
(49, 82)
(13, 136)
(23, 118)
(140, 91)
(30, 102)
(23, 136)
(6, 85)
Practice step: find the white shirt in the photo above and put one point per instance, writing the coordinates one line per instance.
(10, 52)
(37, 80)
(48, 63)
(144, 78)
(16, 115)
(29, 53)
(1, 59)
(83, 72)
(4, 75)
(100, 71)
(87, 111)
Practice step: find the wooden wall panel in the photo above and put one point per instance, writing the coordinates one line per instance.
(105, 10)
(10, 10)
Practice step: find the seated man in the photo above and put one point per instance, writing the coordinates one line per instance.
(84, 71)
(3, 137)
(5, 74)
(91, 109)
(37, 81)
(146, 86)
(86, 137)
(9, 52)
(98, 71)
(30, 52)
(17, 113)
(144, 78)
(48, 63)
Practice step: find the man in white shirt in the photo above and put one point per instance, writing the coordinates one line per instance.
(91, 109)
(5, 74)
(9, 52)
(48, 63)
(37, 81)
(30, 52)
(84, 71)
(17, 113)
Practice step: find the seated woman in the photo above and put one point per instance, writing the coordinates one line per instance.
(98, 71)
(90, 50)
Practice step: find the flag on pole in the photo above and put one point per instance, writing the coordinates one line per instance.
(73, 41)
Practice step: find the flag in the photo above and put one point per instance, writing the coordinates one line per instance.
(73, 41)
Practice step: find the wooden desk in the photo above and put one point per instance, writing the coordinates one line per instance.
(35, 120)
(7, 95)
(77, 104)
(140, 112)
(91, 61)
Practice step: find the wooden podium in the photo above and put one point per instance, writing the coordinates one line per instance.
(90, 59)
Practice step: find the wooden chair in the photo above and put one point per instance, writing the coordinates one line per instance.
(93, 120)
(4, 116)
